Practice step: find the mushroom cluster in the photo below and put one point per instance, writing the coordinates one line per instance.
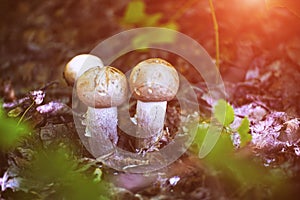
(102, 89)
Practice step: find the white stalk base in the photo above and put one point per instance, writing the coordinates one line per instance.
(150, 122)
(101, 129)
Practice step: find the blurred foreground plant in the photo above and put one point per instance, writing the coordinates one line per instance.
(11, 133)
(54, 174)
(244, 176)
(44, 173)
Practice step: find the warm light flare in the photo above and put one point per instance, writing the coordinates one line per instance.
(254, 3)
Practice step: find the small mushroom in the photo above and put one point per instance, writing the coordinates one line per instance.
(78, 65)
(153, 82)
(102, 90)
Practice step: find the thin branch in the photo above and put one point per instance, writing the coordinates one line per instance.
(22, 117)
(216, 28)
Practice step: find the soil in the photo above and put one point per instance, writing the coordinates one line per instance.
(260, 66)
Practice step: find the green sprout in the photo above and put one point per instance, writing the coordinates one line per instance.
(224, 113)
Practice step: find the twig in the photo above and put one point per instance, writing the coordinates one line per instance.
(216, 28)
(22, 117)
(49, 85)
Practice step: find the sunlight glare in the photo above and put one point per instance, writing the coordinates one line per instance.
(254, 2)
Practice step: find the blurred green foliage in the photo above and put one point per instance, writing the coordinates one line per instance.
(47, 173)
(244, 176)
(54, 174)
(243, 131)
(223, 115)
(11, 133)
(224, 112)
(135, 16)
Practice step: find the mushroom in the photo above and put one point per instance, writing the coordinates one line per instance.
(78, 65)
(152, 82)
(102, 90)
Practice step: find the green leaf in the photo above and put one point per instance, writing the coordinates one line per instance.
(97, 174)
(201, 133)
(144, 41)
(15, 112)
(224, 112)
(243, 131)
(135, 15)
(221, 146)
(292, 5)
(170, 25)
(151, 20)
(135, 12)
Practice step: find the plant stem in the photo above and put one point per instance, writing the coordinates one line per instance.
(22, 117)
(187, 5)
(216, 28)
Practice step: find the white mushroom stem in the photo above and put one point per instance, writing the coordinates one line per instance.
(102, 90)
(101, 128)
(103, 121)
(150, 121)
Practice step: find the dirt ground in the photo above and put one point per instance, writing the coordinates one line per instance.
(259, 64)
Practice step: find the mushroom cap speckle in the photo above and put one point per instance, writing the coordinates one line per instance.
(78, 65)
(102, 87)
(154, 80)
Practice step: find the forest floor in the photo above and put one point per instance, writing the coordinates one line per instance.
(259, 64)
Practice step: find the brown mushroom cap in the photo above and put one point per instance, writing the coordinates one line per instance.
(102, 87)
(78, 65)
(154, 80)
